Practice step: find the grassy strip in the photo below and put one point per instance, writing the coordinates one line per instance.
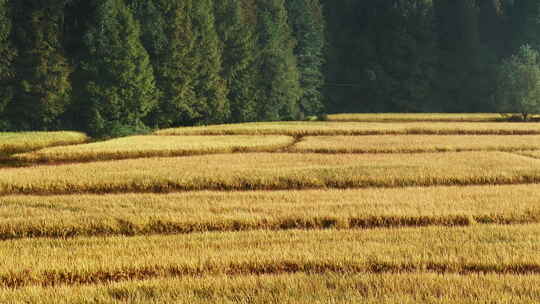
(480, 249)
(416, 143)
(11, 143)
(416, 117)
(273, 171)
(157, 146)
(296, 288)
(356, 128)
(142, 214)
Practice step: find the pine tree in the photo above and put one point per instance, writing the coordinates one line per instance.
(152, 23)
(307, 21)
(280, 79)
(7, 55)
(187, 61)
(174, 67)
(42, 71)
(238, 49)
(211, 89)
(120, 86)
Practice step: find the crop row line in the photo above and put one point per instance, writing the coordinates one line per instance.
(52, 278)
(157, 226)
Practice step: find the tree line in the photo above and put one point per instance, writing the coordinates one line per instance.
(110, 67)
(123, 66)
(424, 55)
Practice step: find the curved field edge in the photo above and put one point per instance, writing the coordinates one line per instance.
(351, 128)
(473, 250)
(157, 146)
(296, 288)
(273, 171)
(182, 213)
(19, 142)
(415, 143)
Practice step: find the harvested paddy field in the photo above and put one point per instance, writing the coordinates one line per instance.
(357, 128)
(273, 171)
(153, 146)
(386, 208)
(416, 143)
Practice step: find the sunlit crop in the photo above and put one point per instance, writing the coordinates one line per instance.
(273, 171)
(359, 128)
(471, 250)
(416, 117)
(416, 143)
(11, 143)
(179, 213)
(152, 146)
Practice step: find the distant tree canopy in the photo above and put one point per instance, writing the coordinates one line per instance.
(116, 66)
(519, 83)
(422, 55)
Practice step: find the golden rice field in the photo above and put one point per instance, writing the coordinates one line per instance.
(297, 288)
(11, 143)
(461, 250)
(154, 146)
(364, 208)
(416, 117)
(273, 171)
(183, 213)
(318, 128)
(416, 143)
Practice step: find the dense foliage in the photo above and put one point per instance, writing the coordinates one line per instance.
(422, 55)
(120, 66)
(519, 83)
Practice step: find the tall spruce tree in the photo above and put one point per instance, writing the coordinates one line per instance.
(42, 71)
(174, 66)
(183, 44)
(7, 55)
(120, 86)
(210, 87)
(239, 54)
(307, 21)
(152, 21)
(280, 78)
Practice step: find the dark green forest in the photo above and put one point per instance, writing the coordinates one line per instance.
(113, 67)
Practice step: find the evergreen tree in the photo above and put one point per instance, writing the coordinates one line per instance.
(187, 61)
(280, 79)
(307, 21)
(42, 71)
(238, 49)
(210, 87)
(120, 86)
(174, 66)
(7, 55)
(152, 21)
